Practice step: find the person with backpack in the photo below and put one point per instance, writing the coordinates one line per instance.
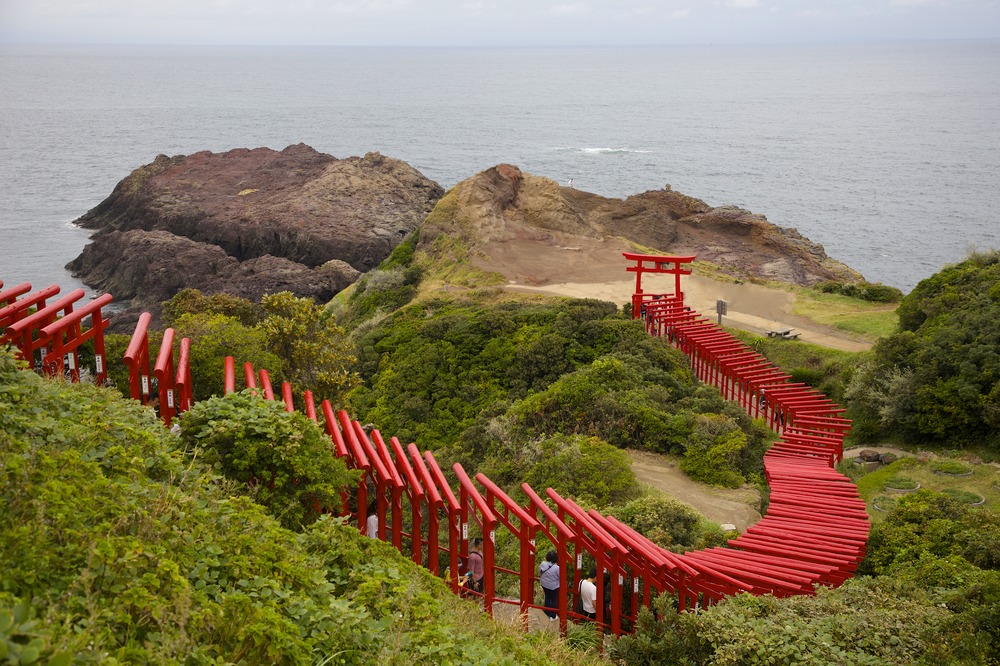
(548, 576)
(474, 567)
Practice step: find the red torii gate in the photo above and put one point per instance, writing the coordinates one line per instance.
(65, 335)
(173, 381)
(21, 333)
(9, 296)
(808, 538)
(655, 263)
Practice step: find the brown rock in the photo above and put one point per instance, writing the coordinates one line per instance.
(868, 455)
(250, 222)
(513, 222)
(144, 268)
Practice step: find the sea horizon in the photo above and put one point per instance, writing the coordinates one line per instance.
(883, 152)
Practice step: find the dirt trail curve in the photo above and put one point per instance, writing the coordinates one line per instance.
(721, 505)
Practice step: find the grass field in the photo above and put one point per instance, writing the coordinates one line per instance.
(872, 320)
(983, 482)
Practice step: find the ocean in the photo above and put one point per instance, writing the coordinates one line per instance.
(886, 154)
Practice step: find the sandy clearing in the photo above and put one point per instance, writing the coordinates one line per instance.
(721, 505)
(751, 307)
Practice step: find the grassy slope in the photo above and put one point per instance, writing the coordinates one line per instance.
(127, 553)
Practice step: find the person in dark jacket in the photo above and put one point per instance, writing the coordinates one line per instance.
(548, 575)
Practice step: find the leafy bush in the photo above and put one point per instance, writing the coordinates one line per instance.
(316, 353)
(663, 521)
(391, 286)
(116, 549)
(216, 336)
(927, 522)
(865, 291)
(281, 459)
(950, 467)
(296, 340)
(582, 467)
(934, 382)
(193, 301)
(810, 376)
(432, 368)
(620, 398)
(866, 621)
(722, 454)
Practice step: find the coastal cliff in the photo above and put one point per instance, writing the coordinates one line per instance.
(250, 222)
(534, 231)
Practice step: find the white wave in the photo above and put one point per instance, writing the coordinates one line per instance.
(611, 151)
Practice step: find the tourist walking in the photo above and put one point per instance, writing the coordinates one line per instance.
(588, 594)
(475, 570)
(548, 576)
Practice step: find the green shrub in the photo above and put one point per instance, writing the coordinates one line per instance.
(296, 340)
(663, 521)
(715, 452)
(281, 459)
(950, 467)
(865, 291)
(810, 376)
(900, 482)
(116, 549)
(193, 301)
(582, 467)
(934, 381)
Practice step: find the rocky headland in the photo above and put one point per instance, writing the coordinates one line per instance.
(250, 222)
(534, 231)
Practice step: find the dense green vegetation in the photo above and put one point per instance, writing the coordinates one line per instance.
(119, 545)
(937, 380)
(123, 543)
(294, 339)
(504, 386)
(930, 595)
(865, 291)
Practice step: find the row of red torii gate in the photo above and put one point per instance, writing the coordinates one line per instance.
(813, 534)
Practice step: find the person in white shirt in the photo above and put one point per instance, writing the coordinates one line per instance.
(588, 594)
(371, 523)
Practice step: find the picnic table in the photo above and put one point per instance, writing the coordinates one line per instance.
(785, 333)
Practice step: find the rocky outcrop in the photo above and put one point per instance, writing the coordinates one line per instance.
(250, 222)
(514, 222)
(130, 264)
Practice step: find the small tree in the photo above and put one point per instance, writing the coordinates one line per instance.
(315, 351)
(215, 336)
(283, 457)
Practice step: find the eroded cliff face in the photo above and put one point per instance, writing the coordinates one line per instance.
(250, 222)
(534, 231)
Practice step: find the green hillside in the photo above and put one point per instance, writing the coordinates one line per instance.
(118, 545)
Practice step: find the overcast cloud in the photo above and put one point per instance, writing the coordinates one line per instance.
(492, 23)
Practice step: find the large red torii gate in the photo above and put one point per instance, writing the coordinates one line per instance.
(656, 263)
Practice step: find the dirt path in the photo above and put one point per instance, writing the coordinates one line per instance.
(722, 505)
(752, 307)
(598, 271)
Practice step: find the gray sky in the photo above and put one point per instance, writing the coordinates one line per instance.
(492, 22)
